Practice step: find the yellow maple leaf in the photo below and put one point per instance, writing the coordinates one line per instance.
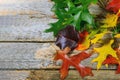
(84, 45)
(117, 36)
(97, 37)
(104, 51)
(111, 20)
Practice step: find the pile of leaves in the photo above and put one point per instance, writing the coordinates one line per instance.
(78, 29)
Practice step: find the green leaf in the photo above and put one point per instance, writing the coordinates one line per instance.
(71, 12)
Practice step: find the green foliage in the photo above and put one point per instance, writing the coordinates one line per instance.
(72, 12)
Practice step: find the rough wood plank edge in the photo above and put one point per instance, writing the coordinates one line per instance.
(28, 22)
(33, 56)
(28, 41)
(54, 75)
(73, 75)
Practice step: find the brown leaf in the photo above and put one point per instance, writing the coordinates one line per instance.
(67, 37)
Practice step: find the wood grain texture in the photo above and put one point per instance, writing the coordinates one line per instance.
(33, 56)
(22, 21)
(24, 55)
(54, 75)
(25, 21)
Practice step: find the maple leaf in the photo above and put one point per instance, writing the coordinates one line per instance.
(98, 37)
(110, 20)
(73, 61)
(85, 41)
(104, 51)
(113, 5)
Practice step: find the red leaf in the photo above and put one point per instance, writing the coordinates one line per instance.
(110, 60)
(118, 69)
(83, 36)
(73, 61)
(113, 5)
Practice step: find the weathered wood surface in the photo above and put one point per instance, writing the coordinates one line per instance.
(22, 25)
(25, 20)
(32, 56)
(54, 75)
(25, 55)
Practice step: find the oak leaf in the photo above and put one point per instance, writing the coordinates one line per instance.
(110, 20)
(73, 61)
(104, 51)
(112, 60)
(98, 37)
(117, 36)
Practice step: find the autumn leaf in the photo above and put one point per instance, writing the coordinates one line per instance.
(117, 36)
(110, 20)
(104, 51)
(112, 60)
(113, 5)
(85, 41)
(73, 61)
(98, 37)
(67, 37)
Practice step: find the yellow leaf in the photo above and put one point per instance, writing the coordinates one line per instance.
(104, 51)
(110, 20)
(97, 37)
(117, 36)
(84, 45)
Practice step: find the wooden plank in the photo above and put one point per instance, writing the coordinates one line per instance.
(23, 55)
(25, 21)
(74, 75)
(33, 56)
(16, 7)
(13, 75)
(54, 75)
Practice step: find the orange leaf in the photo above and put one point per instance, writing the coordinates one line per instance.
(73, 61)
(110, 60)
(84, 42)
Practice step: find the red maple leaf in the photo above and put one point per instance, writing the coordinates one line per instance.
(113, 5)
(73, 61)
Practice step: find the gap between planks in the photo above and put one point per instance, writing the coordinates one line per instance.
(27, 41)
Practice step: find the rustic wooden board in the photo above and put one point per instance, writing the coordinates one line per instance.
(22, 25)
(32, 56)
(25, 20)
(54, 75)
(25, 55)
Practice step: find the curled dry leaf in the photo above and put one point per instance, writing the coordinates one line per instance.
(67, 37)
